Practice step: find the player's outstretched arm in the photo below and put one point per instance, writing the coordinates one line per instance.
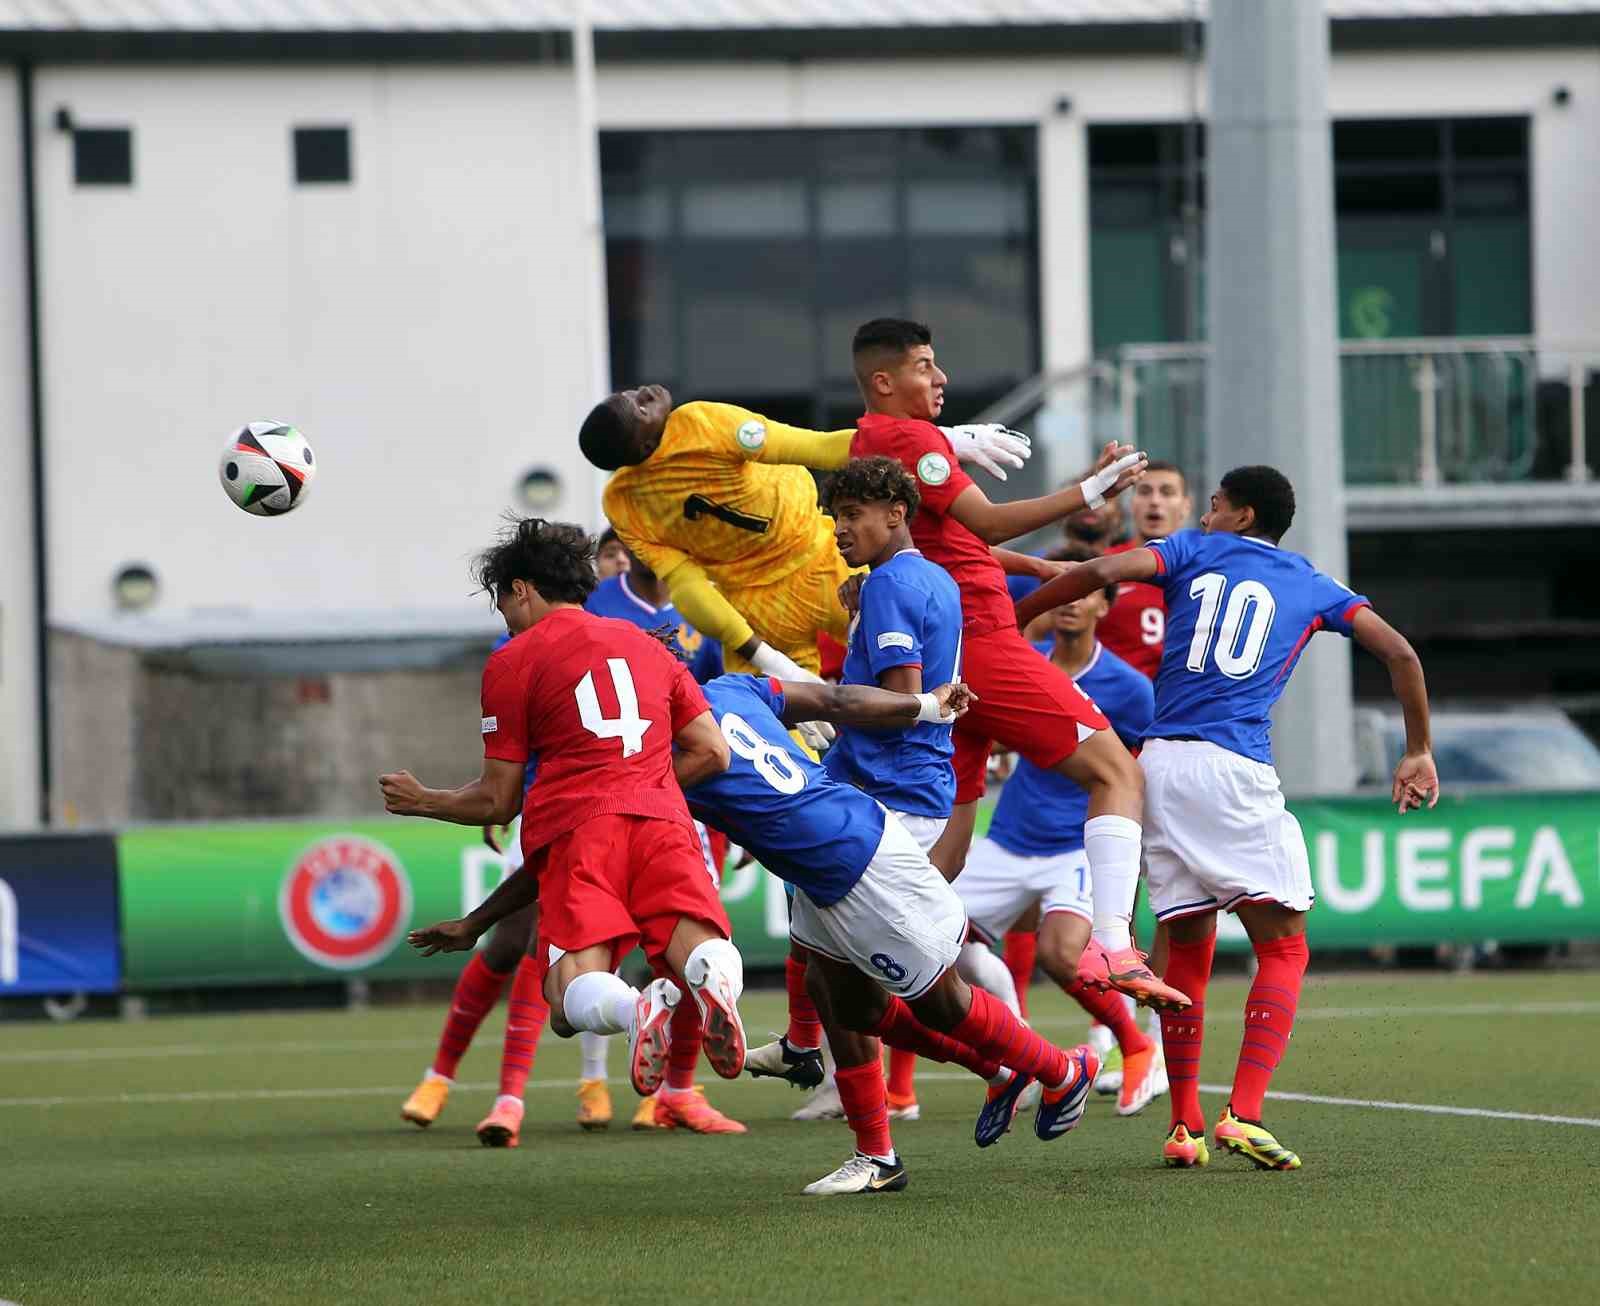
(511, 895)
(1085, 578)
(865, 705)
(1416, 780)
(995, 523)
(495, 797)
(699, 751)
(827, 451)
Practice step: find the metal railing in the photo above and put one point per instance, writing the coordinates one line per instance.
(1428, 412)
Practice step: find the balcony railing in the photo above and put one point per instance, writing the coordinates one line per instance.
(1423, 413)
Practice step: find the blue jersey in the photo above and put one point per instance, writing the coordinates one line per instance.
(910, 617)
(1239, 612)
(803, 826)
(1041, 813)
(613, 597)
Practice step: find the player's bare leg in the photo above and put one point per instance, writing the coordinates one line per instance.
(1062, 936)
(479, 987)
(1111, 841)
(949, 854)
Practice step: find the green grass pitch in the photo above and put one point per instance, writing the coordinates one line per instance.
(251, 1159)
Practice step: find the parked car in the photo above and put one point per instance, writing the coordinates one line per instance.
(1517, 747)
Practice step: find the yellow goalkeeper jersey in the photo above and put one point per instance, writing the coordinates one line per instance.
(721, 490)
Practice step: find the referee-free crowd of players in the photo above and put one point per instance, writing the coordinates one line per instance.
(658, 708)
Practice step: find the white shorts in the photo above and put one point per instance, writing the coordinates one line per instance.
(514, 847)
(998, 886)
(902, 924)
(924, 829)
(1216, 832)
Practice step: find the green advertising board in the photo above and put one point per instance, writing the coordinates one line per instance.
(265, 902)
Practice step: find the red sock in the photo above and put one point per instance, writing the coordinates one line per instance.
(525, 1021)
(477, 991)
(683, 1052)
(909, 1038)
(805, 1030)
(866, 1107)
(1183, 1032)
(990, 1027)
(902, 1071)
(1268, 1020)
(1022, 953)
(1112, 1012)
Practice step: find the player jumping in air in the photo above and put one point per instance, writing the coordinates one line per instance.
(883, 926)
(1218, 838)
(710, 497)
(1028, 706)
(612, 857)
(1033, 856)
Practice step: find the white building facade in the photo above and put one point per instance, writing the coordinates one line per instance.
(409, 279)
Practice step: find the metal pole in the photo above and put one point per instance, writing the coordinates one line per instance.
(1578, 467)
(1427, 423)
(593, 227)
(1273, 387)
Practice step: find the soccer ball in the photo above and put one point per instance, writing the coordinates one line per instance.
(267, 468)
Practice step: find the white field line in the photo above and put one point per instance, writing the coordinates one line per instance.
(64, 1056)
(296, 1094)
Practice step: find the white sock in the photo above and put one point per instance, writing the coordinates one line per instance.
(829, 1065)
(715, 957)
(505, 1099)
(977, 964)
(593, 1050)
(887, 1160)
(1112, 846)
(434, 1074)
(600, 1002)
(1152, 1024)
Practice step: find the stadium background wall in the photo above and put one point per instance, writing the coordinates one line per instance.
(198, 906)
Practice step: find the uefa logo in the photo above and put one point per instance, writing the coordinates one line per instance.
(345, 902)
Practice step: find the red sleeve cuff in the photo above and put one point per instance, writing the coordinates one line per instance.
(1161, 563)
(1352, 610)
(777, 685)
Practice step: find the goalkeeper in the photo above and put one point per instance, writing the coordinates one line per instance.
(717, 502)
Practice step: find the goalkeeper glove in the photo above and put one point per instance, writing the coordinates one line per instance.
(989, 445)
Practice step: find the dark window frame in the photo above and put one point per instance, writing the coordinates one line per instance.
(323, 154)
(102, 156)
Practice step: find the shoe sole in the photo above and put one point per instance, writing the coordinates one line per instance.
(988, 1137)
(1148, 994)
(1183, 1163)
(593, 1126)
(912, 1112)
(420, 1121)
(648, 1065)
(895, 1185)
(498, 1136)
(806, 1075)
(724, 1044)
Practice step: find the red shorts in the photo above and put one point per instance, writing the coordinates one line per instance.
(627, 881)
(1026, 703)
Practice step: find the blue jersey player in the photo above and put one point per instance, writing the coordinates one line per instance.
(883, 925)
(906, 632)
(1032, 858)
(1240, 610)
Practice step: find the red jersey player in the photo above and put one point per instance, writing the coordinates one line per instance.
(1031, 707)
(611, 854)
(1136, 627)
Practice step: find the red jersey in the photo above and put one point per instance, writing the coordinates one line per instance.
(1136, 627)
(924, 452)
(598, 702)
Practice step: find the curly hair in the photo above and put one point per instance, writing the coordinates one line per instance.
(1268, 491)
(874, 480)
(556, 558)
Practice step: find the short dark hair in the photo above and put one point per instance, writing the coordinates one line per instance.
(891, 334)
(1268, 491)
(556, 558)
(608, 536)
(1080, 553)
(605, 439)
(874, 480)
(1166, 465)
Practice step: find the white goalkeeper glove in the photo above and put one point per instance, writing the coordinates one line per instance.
(770, 662)
(1097, 486)
(989, 445)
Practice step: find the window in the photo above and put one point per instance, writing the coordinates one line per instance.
(741, 262)
(321, 155)
(102, 156)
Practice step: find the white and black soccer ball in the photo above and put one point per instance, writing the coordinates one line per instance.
(267, 468)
